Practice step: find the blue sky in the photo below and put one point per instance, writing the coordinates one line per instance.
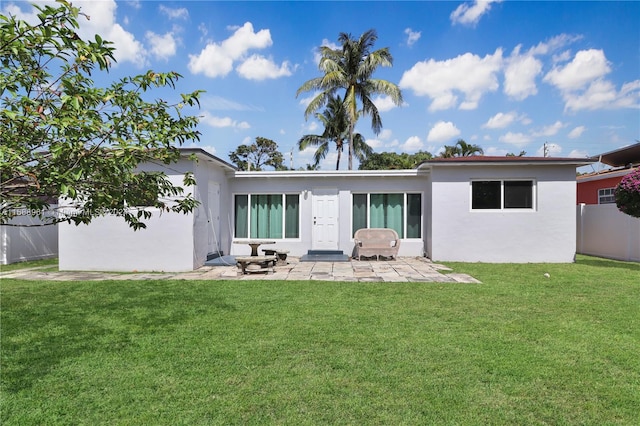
(508, 76)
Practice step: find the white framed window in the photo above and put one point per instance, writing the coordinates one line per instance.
(502, 194)
(606, 195)
(399, 211)
(274, 216)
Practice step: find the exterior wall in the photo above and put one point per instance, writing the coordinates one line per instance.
(544, 234)
(588, 190)
(205, 238)
(604, 231)
(305, 186)
(109, 244)
(18, 244)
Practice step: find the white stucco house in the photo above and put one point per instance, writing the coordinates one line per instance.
(471, 209)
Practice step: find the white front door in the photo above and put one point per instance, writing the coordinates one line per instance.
(325, 219)
(213, 217)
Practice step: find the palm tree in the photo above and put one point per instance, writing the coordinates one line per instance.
(351, 68)
(461, 149)
(468, 150)
(336, 129)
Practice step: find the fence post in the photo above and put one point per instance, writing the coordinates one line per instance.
(581, 208)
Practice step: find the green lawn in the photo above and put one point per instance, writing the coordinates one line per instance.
(519, 349)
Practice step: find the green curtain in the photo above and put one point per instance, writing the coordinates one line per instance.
(359, 212)
(292, 216)
(242, 212)
(414, 215)
(387, 211)
(266, 216)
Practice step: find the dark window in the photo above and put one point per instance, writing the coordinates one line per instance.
(498, 194)
(518, 194)
(485, 194)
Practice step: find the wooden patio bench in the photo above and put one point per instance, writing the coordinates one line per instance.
(282, 254)
(264, 263)
(376, 242)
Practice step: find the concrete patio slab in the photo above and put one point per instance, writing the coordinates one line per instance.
(403, 269)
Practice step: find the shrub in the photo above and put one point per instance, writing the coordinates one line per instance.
(628, 194)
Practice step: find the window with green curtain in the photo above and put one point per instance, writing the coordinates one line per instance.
(387, 211)
(266, 216)
(359, 212)
(414, 216)
(292, 216)
(242, 216)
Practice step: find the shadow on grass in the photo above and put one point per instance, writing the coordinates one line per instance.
(45, 325)
(599, 262)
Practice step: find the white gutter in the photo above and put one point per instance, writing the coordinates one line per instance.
(331, 173)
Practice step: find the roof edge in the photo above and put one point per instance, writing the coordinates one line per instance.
(207, 155)
(330, 173)
(505, 161)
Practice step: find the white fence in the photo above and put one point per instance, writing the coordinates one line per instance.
(19, 243)
(606, 232)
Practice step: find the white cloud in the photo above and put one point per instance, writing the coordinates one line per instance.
(385, 134)
(30, 16)
(578, 153)
(412, 144)
(307, 100)
(216, 59)
(219, 122)
(517, 139)
(520, 75)
(495, 152)
(375, 143)
(583, 85)
(310, 127)
(602, 94)
(171, 13)
(470, 14)
(214, 102)
(103, 22)
(257, 67)
(162, 46)
(443, 131)
(586, 66)
(500, 120)
(412, 36)
(554, 44)
(469, 74)
(384, 103)
(576, 132)
(550, 130)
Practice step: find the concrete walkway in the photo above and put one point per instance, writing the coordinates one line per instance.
(405, 269)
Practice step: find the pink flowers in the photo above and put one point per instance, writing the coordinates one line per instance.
(628, 194)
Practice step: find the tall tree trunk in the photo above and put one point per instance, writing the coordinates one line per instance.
(351, 145)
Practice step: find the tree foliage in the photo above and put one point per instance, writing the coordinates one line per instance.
(351, 68)
(336, 129)
(392, 160)
(263, 152)
(627, 194)
(461, 149)
(64, 137)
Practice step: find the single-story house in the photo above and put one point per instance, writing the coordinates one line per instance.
(471, 209)
(598, 187)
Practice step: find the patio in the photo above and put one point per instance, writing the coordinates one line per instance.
(405, 269)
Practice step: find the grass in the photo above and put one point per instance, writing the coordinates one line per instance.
(49, 265)
(519, 349)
